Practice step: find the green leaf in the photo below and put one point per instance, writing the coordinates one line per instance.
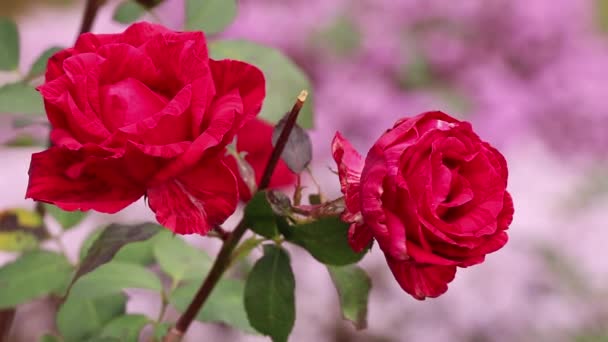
(124, 328)
(269, 294)
(20, 230)
(314, 199)
(601, 13)
(326, 240)
(33, 275)
(39, 66)
(79, 319)
(284, 79)
(20, 98)
(243, 250)
(225, 304)
(342, 36)
(298, 150)
(161, 330)
(353, 286)
(49, 338)
(9, 44)
(259, 216)
(180, 260)
(210, 16)
(112, 278)
(110, 241)
(128, 11)
(139, 252)
(67, 219)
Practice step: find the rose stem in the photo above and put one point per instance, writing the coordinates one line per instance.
(90, 12)
(223, 258)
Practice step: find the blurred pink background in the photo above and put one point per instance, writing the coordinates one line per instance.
(532, 77)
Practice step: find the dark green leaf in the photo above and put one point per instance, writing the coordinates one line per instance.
(279, 202)
(139, 252)
(33, 275)
(269, 294)
(225, 304)
(9, 44)
(20, 230)
(79, 319)
(284, 79)
(326, 240)
(353, 286)
(210, 16)
(39, 66)
(180, 260)
(111, 240)
(112, 278)
(298, 150)
(20, 98)
(67, 219)
(124, 328)
(259, 216)
(128, 11)
(314, 199)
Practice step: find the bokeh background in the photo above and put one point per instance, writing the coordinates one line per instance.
(532, 77)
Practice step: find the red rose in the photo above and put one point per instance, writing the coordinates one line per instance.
(144, 112)
(432, 194)
(255, 139)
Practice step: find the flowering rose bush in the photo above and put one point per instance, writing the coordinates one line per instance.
(144, 112)
(432, 194)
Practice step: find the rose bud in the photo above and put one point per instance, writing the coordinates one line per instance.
(432, 194)
(147, 113)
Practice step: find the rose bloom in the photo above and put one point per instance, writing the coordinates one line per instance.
(147, 113)
(432, 194)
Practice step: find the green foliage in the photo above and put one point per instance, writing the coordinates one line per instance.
(269, 294)
(33, 275)
(326, 240)
(161, 330)
(9, 44)
(180, 260)
(79, 319)
(20, 98)
(139, 252)
(124, 328)
(225, 304)
(601, 12)
(67, 219)
(49, 338)
(210, 16)
(128, 11)
(110, 241)
(284, 79)
(20, 230)
(260, 217)
(342, 36)
(39, 66)
(112, 278)
(353, 286)
(298, 150)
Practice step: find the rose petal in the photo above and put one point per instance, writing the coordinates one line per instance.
(359, 237)
(421, 280)
(230, 75)
(350, 165)
(196, 201)
(97, 183)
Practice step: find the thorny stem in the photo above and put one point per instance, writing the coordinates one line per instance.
(224, 256)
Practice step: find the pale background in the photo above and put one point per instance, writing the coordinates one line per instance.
(531, 75)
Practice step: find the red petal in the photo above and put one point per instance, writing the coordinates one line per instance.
(248, 80)
(421, 280)
(95, 183)
(350, 164)
(197, 201)
(359, 237)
